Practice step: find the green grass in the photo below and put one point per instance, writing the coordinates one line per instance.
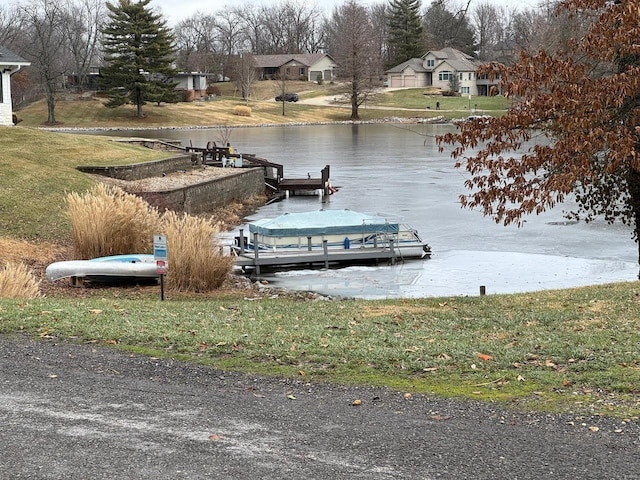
(571, 350)
(37, 168)
(450, 107)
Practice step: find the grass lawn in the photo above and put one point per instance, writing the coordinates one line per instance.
(564, 351)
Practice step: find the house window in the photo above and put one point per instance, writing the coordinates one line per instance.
(470, 75)
(431, 63)
(301, 72)
(445, 76)
(464, 90)
(460, 76)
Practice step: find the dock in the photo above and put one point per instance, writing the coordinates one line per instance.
(275, 180)
(256, 260)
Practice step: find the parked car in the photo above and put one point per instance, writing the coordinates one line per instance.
(288, 97)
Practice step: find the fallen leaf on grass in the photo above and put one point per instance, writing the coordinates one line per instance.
(484, 357)
(215, 436)
(291, 397)
(356, 403)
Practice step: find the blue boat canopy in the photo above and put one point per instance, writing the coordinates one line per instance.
(322, 222)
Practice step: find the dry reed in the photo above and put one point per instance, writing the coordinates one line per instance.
(17, 281)
(196, 263)
(108, 221)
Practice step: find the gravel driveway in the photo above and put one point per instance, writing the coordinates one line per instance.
(87, 412)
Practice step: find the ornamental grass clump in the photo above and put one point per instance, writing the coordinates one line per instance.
(17, 281)
(196, 262)
(242, 111)
(106, 220)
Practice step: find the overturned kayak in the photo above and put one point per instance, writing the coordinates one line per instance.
(114, 268)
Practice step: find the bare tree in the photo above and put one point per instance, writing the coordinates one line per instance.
(45, 45)
(542, 29)
(378, 15)
(245, 74)
(11, 26)
(253, 29)
(198, 47)
(228, 28)
(490, 23)
(351, 38)
(82, 29)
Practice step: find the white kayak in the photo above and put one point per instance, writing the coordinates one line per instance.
(115, 267)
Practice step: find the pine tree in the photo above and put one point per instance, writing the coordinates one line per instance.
(139, 55)
(405, 30)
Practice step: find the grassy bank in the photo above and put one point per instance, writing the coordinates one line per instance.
(570, 351)
(37, 168)
(80, 111)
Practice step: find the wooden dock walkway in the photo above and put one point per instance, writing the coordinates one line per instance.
(274, 172)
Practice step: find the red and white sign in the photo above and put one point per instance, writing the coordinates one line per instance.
(161, 267)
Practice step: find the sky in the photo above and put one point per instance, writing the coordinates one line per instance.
(176, 10)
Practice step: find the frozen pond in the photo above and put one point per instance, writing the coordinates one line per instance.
(397, 170)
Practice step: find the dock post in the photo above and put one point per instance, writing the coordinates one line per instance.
(309, 243)
(241, 241)
(325, 247)
(393, 252)
(256, 256)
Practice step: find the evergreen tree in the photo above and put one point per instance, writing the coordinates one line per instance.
(405, 30)
(139, 55)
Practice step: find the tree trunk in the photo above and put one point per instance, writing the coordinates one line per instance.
(51, 107)
(634, 192)
(354, 100)
(139, 112)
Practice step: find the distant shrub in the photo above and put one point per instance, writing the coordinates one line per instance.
(108, 221)
(196, 263)
(17, 281)
(188, 95)
(213, 90)
(242, 111)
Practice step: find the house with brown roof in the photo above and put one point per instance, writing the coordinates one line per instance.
(10, 63)
(436, 68)
(311, 67)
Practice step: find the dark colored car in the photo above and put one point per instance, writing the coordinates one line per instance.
(288, 97)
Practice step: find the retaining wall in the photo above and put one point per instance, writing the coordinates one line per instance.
(211, 194)
(138, 171)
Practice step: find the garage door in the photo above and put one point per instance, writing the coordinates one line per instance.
(410, 81)
(396, 81)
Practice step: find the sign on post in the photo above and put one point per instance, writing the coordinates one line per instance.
(160, 254)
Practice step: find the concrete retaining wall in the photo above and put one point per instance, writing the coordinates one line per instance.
(206, 196)
(138, 171)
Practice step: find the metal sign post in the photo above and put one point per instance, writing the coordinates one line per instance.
(161, 258)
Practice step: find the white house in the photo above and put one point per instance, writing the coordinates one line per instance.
(435, 69)
(9, 64)
(193, 84)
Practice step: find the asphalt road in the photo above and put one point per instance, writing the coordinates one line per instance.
(85, 412)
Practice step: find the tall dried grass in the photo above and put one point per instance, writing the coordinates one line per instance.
(17, 281)
(106, 220)
(196, 263)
